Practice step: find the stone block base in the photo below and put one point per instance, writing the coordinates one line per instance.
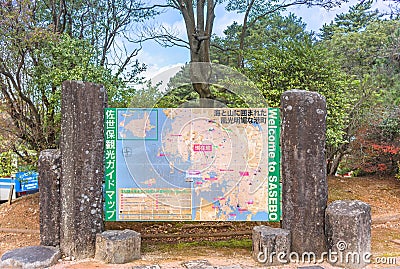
(271, 246)
(118, 246)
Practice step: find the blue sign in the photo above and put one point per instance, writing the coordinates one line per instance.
(26, 181)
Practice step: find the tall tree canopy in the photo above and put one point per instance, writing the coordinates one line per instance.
(354, 63)
(365, 45)
(281, 55)
(46, 42)
(199, 22)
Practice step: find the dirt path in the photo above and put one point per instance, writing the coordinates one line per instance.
(217, 261)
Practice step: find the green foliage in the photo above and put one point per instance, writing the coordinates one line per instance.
(281, 55)
(276, 30)
(65, 58)
(178, 90)
(224, 50)
(358, 173)
(44, 44)
(6, 163)
(270, 30)
(175, 97)
(365, 51)
(228, 86)
(302, 65)
(149, 96)
(355, 20)
(343, 170)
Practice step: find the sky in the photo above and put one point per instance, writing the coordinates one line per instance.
(164, 62)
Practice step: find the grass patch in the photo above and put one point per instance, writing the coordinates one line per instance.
(338, 194)
(224, 244)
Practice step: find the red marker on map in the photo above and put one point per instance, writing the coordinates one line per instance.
(201, 147)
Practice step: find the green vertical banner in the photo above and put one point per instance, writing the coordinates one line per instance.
(274, 157)
(110, 157)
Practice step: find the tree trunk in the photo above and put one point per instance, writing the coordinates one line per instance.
(240, 63)
(199, 32)
(335, 164)
(200, 71)
(337, 158)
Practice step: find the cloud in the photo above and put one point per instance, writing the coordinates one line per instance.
(146, 56)
(163, 74)
(316, 16)
(223, 19)
(384, 6)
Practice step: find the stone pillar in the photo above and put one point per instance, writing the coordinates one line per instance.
(304, 184)
(348, 229)
(82, 143)
(49, 168)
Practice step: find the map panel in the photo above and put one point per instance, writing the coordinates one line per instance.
(219, 164)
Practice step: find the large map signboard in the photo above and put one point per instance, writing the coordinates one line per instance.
(192, 164)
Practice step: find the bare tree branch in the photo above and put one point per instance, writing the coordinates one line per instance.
(162, 36)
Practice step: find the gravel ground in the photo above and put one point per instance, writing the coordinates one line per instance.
(382, 194)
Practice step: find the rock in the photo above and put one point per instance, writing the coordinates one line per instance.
(348, 229)
(156, 266)
(49, 168)
(271, 246)
(304, 183)
(30, 257)
(198, 264)
(118, 246)
(82, 154)
(310, 267)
